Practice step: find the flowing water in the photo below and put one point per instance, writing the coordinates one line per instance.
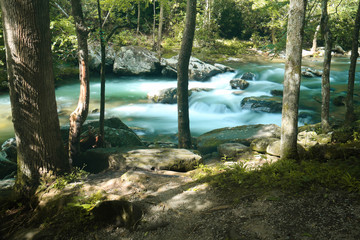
(126, 98)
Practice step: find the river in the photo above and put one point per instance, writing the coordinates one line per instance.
(126, 98)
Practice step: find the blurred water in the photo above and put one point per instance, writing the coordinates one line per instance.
(126, 98)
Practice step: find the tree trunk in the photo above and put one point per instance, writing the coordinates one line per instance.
(101, 139)
(292, 79)
(325, 80)
(154, 24)
(32, 92)
(161, 18)
(183, 76)
(314, 45)
(350, 117)
(138, 17)
(78, 117)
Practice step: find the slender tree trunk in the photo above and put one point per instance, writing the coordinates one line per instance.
(314, 45)
(101, 139)
(325, 85)
(350, 116)
(154, 24)
(78, 117)
(161, 18)
(273, 32)
(138, 17)
(292, 79)
(40, 149)
(183, 76)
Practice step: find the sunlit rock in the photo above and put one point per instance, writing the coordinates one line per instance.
(131, 60)
(208, 142)
(261, 144)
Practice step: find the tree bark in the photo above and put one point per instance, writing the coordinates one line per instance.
(350, 116)
(40, 149)
(292, 79)
(78, 117)
(314, 45)
(161, 18)
(101, 139)
(138, 17)
(183, 76)
(325, 80)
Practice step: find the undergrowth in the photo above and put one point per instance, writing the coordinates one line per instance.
(287, 175)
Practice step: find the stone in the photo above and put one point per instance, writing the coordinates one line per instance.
(10, 150)
(274, 148)
(7, 168)
(231, 150)
(97, 160)
(261, 144)
(224, 68)
(239, 84)
(208, 142)
(339, 101)
(248, 76)
(277, 93)
(168, 95)
(95, 56)
(131, 60)
(198, 70)
(263, 104)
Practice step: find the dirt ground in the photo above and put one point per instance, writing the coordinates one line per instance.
(174, 206)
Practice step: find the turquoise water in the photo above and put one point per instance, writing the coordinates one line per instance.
(126, 98)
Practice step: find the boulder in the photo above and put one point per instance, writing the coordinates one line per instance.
(238, 83)
(95, 57)
(208, 142)
(7, 168)
(198, 70)
(231, 150)
(310, 73)
(261, 144)
(274, 148)
(97, 160)
(263, 104)
(338, 49)
(9, 149)
(224, 68)
(131, 60)
(248, 76)
(308, 139)
(277, 93)
(339, 101)
(169, 95)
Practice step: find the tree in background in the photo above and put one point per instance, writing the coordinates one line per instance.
(325, 80)
(183, 76)
(292, 79)
(350, 117)
(78, 117)
(32, 92)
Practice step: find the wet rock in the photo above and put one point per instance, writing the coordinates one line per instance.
(310, 73)
(208, 142)
(338, 49)
(239, 84)
(131, 60)
(248, 76)
(277, 93)
(10, 150)
(169, 95)
(224, 68)
(339, 101)
(263, 104)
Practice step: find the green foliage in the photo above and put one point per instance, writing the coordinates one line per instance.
(287, 175)
(76, 175)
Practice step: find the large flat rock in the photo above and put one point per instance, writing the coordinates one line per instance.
(208, 142)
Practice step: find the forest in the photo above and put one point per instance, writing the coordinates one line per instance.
(179, 119)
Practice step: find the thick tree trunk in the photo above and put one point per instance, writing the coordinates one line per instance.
(78, 117)
(161, 18)
(138, 17)
(314, 45)
(325, 80)
(350, 117)
(183, 76)
(101, 139)
(40, 149)
(292, 79)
